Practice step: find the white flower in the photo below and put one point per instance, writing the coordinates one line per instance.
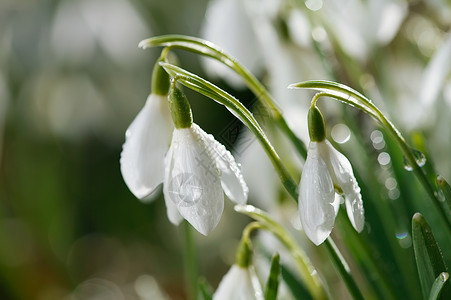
(318, 204)
(198, 169)
(240, 283)
(227, 25)
(147, 141)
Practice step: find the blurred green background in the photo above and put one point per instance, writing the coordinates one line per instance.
(71, 81)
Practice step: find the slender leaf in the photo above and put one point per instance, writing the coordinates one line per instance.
(296, 287)
(440, 282)
(210, 90)
(206, 48)
(445, 195)
(272, 285)
(427, 253)
(204, 290)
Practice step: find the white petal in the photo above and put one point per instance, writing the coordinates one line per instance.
(239, 284)
(147, 141)
(171, 209)
(192, 181)
(435, 75)
(228, 26)
(232, 180)
(341, 172)
(317, 201)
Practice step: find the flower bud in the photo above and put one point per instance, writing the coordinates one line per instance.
(316, 127)
(180, 108)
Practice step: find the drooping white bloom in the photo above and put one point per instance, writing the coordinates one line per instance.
(198, 169)
(318, 204)
(147, 141)
(240, 283)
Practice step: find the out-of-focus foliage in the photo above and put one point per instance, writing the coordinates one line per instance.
(72, 79)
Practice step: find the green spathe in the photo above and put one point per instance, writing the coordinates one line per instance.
(316, 127)
(243, 253)
(160, 80)
(180, 108)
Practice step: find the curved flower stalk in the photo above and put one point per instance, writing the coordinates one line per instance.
(302, 263)
(241, 282)
(325, 168)
(196, 170)
(353, 98)
(208, 49)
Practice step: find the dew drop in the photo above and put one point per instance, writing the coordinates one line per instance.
(340, 133)
(401, 235)
(404, 239)
(420, 160)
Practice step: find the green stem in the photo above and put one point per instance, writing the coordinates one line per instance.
(302, 262)
(342, 268)
(208, 89)
(243, 253)
(206, 48)
(353, 98)
(190, 261)
(241, 112)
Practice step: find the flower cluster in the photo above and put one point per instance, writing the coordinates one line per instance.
(194, 168)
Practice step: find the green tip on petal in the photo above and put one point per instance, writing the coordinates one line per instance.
(160, 80)
(316, 127)
(180, 108)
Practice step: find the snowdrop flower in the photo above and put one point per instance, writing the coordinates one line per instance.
(240, 282)
(147, 140)
(196, 170)
(324, 169)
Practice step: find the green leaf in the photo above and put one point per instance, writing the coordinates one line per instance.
(204, 290)
(272, 285)
(206, 48)
(427, 253)
(296, 287)
(444, 195)
(215, 93)
(340, 92)
(440, 282)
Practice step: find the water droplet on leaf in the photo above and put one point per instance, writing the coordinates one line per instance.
(420, 160)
